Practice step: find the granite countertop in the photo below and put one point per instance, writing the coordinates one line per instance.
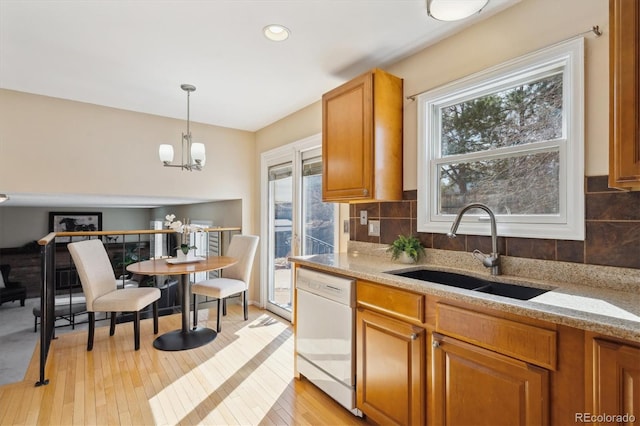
(611, 311)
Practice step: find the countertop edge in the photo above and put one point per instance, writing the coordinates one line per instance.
(373, 269)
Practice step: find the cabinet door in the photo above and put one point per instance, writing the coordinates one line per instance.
(474, 386)
(616, 381)
(624, 92)
(347, 145)
(390, 369)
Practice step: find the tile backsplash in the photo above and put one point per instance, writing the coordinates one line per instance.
(612, 220)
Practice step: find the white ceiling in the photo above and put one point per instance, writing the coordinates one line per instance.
(134, 55)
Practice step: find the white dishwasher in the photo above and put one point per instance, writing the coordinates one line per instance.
(325, 334)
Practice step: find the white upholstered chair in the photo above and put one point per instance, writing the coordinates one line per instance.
(101, 295)
(234, 280)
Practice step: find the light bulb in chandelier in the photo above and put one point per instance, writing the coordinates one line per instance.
(166, 153)
(198, 153)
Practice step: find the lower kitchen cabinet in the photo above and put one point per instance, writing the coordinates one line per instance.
(471, 385)
(422, 359)
(616, 383)
(390, 375)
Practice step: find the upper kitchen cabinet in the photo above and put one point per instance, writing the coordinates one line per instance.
(624, 94)
(362, 139)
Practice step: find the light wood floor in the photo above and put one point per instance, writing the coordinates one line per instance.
(245, 377)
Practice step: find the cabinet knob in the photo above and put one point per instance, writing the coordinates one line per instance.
(365, 192)
(413, 336)
(435, 344)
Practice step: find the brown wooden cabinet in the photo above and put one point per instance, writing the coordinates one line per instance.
(526, 342)
(390, 369)
(362, 139)
(488, 369)
(474, 386)
(624, 94)
(390, 355)
(616, 383)
(426, 359)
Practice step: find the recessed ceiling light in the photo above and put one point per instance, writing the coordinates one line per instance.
(276, 32)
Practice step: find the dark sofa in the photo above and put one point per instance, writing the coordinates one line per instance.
(13, 290)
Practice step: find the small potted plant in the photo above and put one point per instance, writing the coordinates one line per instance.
(406, 249)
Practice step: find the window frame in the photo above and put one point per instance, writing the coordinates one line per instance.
(569, 222)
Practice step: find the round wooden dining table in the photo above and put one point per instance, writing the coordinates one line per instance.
(186, 337)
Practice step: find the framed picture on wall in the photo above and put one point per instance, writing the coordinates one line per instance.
(74, 222)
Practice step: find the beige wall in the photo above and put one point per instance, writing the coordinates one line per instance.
(526, 27)
(49, 145)
(297, 126)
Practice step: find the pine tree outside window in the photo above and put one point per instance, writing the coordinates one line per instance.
(510, 137)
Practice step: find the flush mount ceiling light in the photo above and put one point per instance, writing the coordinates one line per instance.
(276, 32)
(453, 10)
(3, 198)
(193, 154)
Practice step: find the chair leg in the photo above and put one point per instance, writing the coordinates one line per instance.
(92, 329)
(224, 306)
(195, 311)
(112, 327)
(245, 305)
(218, 326)
(136, 329)
(155, 317)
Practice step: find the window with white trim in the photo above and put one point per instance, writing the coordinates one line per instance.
(510, 137)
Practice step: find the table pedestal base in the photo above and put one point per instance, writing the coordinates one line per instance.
(178, 340)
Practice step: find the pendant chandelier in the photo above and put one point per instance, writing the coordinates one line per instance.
(193, 153)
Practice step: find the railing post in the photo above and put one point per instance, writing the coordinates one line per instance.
(47, 260)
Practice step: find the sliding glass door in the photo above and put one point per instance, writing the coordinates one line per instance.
(318, 224)
(297, 222)
(280, 237)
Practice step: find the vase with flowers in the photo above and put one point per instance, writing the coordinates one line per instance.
(186, 251)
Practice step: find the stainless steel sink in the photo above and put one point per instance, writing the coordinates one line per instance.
(514, 291)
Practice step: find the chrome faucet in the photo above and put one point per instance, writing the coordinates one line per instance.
(489, 260)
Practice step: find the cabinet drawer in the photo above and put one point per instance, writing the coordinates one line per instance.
(393, 302)
(522, 341)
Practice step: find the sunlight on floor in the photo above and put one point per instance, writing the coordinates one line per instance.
(243, 388)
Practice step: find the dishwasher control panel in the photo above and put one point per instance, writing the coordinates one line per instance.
(338, 289)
